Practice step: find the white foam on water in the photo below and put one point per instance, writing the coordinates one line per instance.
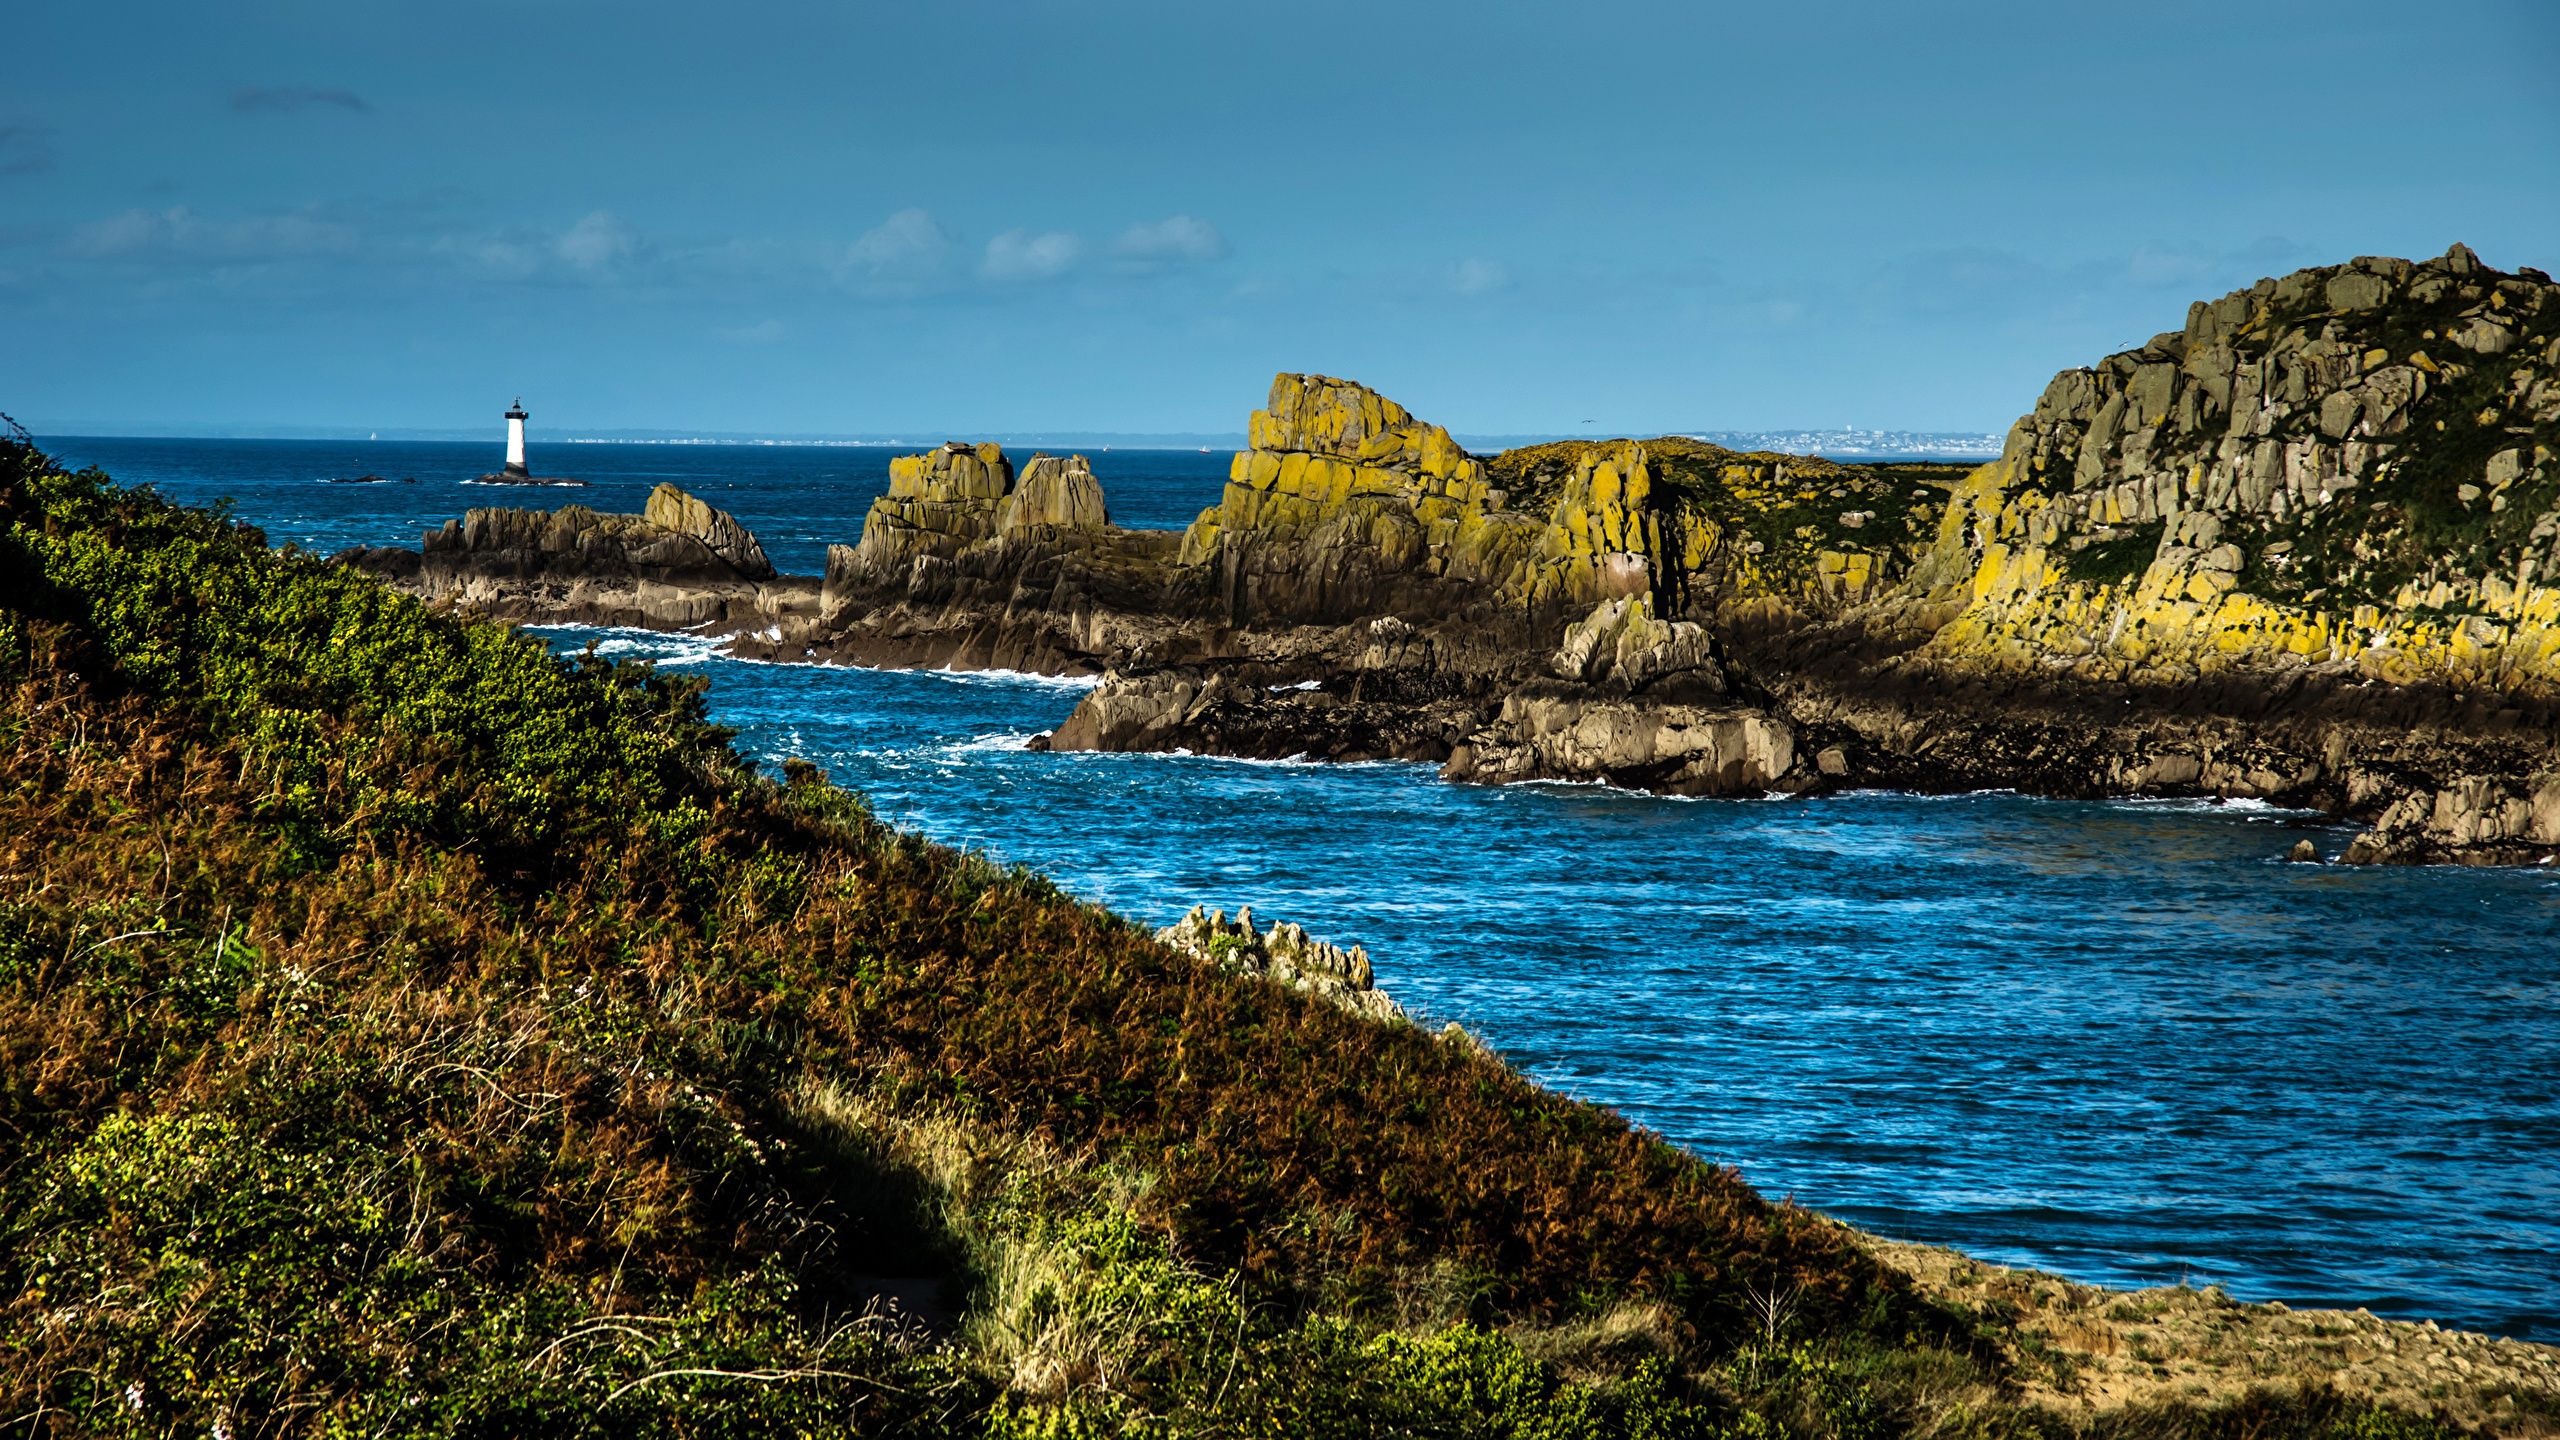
(2247, 806)
(664, 648)
(1301, 761)
(1634, 792)
(1003, 677)
(1008, 742)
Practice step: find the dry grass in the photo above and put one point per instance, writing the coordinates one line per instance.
(2085, 1351)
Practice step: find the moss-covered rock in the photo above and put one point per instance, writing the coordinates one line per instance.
(2357, 465)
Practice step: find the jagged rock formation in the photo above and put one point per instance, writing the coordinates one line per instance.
(965, 563)
(1055, 495)
(682, 515)
(1345, 507)
(1285, 954)
(679, 562)
(2326, 511)
(2306, 549)
(939, 504)
(1349, 507)
(1393, 596)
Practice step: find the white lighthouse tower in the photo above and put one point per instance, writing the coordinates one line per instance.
(515, 440)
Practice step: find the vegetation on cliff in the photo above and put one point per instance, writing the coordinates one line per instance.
(2355, 465)
(406, 1032)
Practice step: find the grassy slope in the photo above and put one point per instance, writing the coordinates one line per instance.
(404, 1032)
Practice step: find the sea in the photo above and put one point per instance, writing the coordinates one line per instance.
(2125, 1042)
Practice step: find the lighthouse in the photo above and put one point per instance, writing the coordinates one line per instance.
(515, 440)
(516, 473)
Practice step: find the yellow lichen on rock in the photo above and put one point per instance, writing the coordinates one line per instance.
(2270, 487)
(1603, 539)
(1054, 493)
(1335, 467)
(2184, 614)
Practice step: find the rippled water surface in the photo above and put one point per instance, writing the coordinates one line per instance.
(2121, 1041)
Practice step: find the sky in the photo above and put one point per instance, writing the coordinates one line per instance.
(985, 216)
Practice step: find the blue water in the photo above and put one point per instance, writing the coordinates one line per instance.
(796, 498)
(2120, 1041)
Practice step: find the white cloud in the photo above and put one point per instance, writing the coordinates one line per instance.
(180, 233)
(598, 242)
(1021, 255)
(907, 248)
(1479, 277)
(1174, 240)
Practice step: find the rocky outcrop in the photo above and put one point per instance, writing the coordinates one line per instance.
(1057, 497)
(1674, 749)
(963, 563)
(1345, 507)
(2356, 466)
(2478, 819)
(2344, 483)
(1636, 701)
(680, 562)
(939, 504)
(1286, 955)
(2306, 549)
(728, 542)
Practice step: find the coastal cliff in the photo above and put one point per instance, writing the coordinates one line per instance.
(2301, 550)
(2332, 503)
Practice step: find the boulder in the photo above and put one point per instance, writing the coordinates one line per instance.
(670, 508)
(1677, 749)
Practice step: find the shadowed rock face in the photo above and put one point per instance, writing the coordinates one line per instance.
(2301, 550)
(679, 562)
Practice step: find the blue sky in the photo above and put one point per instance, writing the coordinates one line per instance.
(981, 215)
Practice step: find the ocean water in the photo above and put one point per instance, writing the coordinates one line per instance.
(796, 498)
(2121, 1041)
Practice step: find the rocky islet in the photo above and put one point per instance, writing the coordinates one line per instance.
(2295, 551)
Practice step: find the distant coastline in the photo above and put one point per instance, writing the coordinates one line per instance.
(1837, 444)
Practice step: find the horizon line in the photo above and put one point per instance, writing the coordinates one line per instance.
(1957, 439)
